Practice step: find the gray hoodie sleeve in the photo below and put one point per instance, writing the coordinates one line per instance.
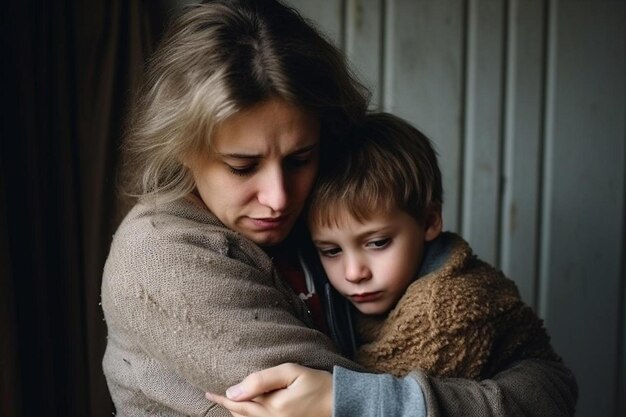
(369, 395)
(532, 388)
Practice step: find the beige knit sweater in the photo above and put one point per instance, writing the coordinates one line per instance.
(192, 306)
(461, 319)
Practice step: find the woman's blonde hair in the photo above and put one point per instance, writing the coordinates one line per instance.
(216, 59)
(390, 165)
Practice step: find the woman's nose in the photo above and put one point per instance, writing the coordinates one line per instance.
(272, 191)
(356, 270)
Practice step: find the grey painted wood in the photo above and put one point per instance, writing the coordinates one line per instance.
(424, 81)
(364, 34)
(483, 124)
(326, 15)
(583, 213)
(522, 144)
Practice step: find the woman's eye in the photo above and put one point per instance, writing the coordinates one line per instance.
(379, 243)
(329, 252)
(302, 158)
(297, 162)
(242, 171)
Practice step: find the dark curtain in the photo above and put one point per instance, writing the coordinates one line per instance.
(69, 70)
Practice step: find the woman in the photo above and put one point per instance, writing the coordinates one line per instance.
(242, 104)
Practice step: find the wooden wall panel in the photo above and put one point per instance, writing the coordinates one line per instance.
(483, 127)
(423, 83)
(583, 213)
(327, 15)
(364, 43)
(523, 143)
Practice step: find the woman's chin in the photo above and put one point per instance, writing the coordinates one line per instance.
(266, 238)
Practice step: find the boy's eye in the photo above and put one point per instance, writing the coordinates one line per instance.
(329, 252)
(379, 243)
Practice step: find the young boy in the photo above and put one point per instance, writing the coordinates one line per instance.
(425, 301)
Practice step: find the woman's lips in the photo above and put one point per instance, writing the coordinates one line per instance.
(366, 297)
(268, 223)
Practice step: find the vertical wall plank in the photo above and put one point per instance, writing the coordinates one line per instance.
(364, 26)
(326, 15)
(621, 350)
(522, 153)
(424, 80)
(583, 211)
(481, 186)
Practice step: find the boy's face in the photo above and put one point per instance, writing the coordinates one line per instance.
(373, 263)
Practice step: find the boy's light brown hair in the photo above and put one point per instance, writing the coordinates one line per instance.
(388, 164)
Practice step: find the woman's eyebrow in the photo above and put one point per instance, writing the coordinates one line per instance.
(305, 149)
(239, 155)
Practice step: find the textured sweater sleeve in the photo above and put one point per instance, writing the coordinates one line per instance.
(201, 306)
(530, 388)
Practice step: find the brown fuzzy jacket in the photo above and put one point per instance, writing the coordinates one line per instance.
(461, 318)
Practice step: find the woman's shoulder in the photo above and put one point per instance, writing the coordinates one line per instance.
(161, 239)
(149, 226)
(179, 222)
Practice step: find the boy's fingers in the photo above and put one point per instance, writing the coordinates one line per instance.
(264, 381)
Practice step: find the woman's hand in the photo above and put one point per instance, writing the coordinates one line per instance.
(287, 390)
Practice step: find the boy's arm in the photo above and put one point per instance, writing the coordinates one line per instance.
(529, 388)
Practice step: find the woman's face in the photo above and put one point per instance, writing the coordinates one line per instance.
(260, 170)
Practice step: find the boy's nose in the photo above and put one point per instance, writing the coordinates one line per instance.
(357, 271)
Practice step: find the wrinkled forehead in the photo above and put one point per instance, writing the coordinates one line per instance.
(274, 123)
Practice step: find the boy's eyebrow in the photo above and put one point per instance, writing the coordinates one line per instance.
(238, 155)
(322, 242)
(367, 233)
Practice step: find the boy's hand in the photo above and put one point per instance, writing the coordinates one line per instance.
(287, 390)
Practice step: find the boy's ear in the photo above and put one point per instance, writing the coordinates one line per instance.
(433, 224)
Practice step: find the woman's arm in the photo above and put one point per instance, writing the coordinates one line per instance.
(196, 303)
(528, 388)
